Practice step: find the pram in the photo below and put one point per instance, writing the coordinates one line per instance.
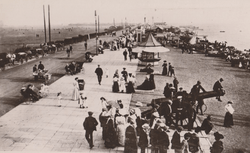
(88, 57)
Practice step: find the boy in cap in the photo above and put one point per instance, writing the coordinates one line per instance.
(218, 88)
(176, 140)
(89, 125)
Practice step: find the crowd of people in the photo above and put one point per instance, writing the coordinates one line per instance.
(124, 83)
(127, 128)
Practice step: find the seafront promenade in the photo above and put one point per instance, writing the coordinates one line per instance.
(43, 126)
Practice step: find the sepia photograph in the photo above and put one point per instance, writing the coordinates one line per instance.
(125, 76)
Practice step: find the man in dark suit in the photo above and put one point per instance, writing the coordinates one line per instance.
(196, 90)
(89, 125)
(218, 88)
(99, 74)
(124, 74)
(41, 66)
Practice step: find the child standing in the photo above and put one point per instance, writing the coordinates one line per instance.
(82, 101)
(122, 85)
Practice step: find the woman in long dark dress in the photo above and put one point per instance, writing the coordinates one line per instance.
(111, 139)
(130, 138)
(145, 85)
(152, 81)
(115, 87)
(228, 120)
(130, 86)
(164, 69)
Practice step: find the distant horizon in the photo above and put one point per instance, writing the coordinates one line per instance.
(179, 12)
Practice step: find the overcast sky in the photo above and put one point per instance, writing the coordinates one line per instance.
(64, 12)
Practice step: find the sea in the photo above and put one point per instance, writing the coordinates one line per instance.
(237, 35)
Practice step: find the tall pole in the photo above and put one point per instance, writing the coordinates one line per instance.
(44, 25)
(98, 25)
(96, 32)
(49, 23)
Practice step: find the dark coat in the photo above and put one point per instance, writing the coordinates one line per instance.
(217, 86)
(143, 140)
(196, 89)
(99, 71)
(207, 126)
(176, 141)
(217, 147)
(130, 140)
(90, 123)
(41, 66)
(163, 139)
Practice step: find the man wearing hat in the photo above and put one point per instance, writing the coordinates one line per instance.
(89, 125)
(196, 90)
(176, 140)
(124, 74)
(99, 74)
(207, 125)
(217, 146)
(218, 88)
(175, 83)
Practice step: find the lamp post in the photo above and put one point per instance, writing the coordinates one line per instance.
(96, 33)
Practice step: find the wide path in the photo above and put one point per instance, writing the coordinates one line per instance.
(42, 126)
(12, 80)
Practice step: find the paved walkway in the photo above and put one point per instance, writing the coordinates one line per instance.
(42, 126)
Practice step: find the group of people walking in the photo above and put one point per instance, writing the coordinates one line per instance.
(124, 83)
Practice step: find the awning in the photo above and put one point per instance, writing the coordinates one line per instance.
(158, 49)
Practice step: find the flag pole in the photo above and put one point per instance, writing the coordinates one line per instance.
(49, 24)
(44, 25)
(96, 32)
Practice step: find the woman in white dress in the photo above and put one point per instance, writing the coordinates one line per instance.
(121, 129)
(75, 95)
(122, 85)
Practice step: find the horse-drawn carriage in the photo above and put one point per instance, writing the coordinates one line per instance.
(178, 109)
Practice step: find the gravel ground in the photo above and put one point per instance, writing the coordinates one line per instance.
(192, 67)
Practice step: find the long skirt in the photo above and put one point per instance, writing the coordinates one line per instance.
(75, 95)
(130, 87)
(228, 120)
(121, 134)
(164, 71)
(145, 86)
(115, 87)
